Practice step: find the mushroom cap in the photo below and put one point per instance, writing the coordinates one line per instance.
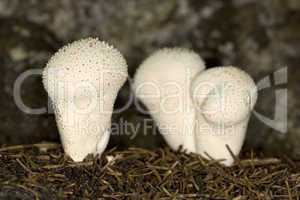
(169, 65)
(225, 95)
(85, 61)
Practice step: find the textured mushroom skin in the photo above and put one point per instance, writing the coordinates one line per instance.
(224, 98)
(82, 80)
(162, 83)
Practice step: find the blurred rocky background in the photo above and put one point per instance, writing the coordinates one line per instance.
(259, 36)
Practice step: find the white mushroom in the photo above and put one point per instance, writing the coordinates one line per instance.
(162, 83)
(82, 80)
(223, 98)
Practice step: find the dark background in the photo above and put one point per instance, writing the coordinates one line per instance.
(258, 36)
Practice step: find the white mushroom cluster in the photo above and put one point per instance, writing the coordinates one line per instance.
(82, 80)
(162, 83)
(203, 110)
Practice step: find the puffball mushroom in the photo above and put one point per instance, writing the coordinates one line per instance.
(82, 80)
(162, 83)
(224, 98)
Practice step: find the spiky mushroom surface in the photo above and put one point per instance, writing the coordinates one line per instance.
(82, 80)
(224, 98)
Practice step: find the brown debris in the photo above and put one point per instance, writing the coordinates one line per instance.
(42, 171)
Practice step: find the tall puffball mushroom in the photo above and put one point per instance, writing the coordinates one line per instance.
(224, 98)
(82, 80)
(162, 83)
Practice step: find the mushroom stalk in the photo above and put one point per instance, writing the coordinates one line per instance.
(162, 83)
(82, 80)
(224, 98)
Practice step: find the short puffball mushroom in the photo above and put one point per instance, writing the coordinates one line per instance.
(224, 98)
(82, 80)
(162, 83)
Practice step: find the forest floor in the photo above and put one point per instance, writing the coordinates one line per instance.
(42, 171)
